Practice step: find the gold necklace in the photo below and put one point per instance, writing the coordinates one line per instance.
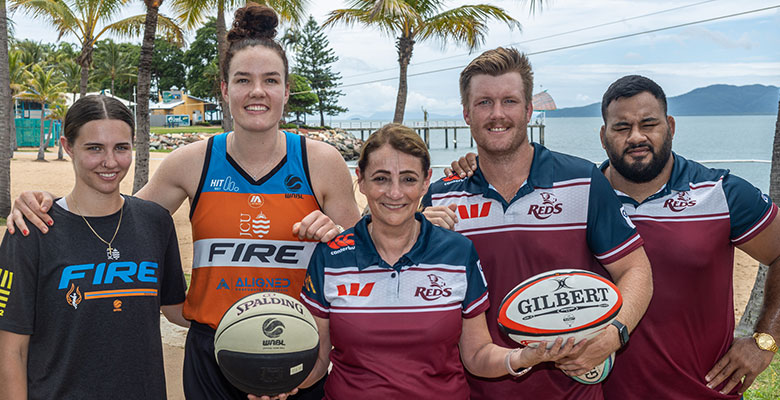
(111, 253)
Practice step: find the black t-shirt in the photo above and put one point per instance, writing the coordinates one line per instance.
(94, 322)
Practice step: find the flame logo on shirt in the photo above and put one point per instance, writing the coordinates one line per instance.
(73, 297)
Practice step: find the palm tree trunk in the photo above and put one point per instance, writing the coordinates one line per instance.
(142, 102)
(405, 45)
(6, 117)
(12, 126)
(42, 144)
(754, 307)
(84, 60)
(222, 48)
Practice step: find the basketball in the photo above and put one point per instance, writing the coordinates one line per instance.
(598, 373)
(266, 343)
(560, 303)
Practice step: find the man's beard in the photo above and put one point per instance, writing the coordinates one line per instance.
(636, 171)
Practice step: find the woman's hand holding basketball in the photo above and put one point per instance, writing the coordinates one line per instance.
(281, 396)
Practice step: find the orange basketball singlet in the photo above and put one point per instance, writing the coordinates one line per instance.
(242, 230)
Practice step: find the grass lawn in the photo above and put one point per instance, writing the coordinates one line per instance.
(186, 129)
(766, 385)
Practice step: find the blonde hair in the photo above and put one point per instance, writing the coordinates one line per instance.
(498, 62)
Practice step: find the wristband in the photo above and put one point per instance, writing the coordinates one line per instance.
(509, 365)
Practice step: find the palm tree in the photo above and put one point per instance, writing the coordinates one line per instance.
(70, 73)
(411, 21)
(194, 12)
(747, 323)
(88, 21)
(43, 87)
(151, 22)
(113, 64)
(17, 72)
(58, 111)
(5, 117)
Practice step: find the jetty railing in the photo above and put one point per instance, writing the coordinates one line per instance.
(424, 129)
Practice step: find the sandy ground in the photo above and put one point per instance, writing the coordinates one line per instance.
(57, 177)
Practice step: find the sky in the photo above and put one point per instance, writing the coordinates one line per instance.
(738, 50)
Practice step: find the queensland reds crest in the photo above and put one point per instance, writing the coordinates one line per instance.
(680, 202)
(549, 206)
(437, 289)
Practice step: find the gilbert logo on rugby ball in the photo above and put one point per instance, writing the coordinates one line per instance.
(559, 303)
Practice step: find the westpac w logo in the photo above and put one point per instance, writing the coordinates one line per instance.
(474, 210)
(355, 289)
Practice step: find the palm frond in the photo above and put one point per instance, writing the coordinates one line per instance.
(107, 10)
(191, 13)
(464, 25)
(292, 11)
(56, 12)
(352, 16)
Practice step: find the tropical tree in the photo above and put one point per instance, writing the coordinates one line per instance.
(58, 111)
(151, 21)
(44, 88)
(201, 53)
(302, 98)
(412, 21)
(747, 323)
(33, 52)
(18, 77)
(313, 60)
(193, 12)
(70, 73)
(5, 117)
(88, 21)
(168, 67)
(113, 64)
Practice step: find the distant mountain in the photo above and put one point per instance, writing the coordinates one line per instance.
(710, 100)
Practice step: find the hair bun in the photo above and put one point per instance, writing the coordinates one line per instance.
(253, 22)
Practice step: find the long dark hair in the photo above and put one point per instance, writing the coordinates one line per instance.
(253, 25)
(93, 108)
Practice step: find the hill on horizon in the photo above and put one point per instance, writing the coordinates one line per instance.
(710, 100)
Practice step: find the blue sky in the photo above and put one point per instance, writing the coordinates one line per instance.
(739, 50)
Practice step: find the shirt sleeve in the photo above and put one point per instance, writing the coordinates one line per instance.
(18, 283)
(610, 233)
(173, 286)
(313, 293)
(476, 299)
(750, 211)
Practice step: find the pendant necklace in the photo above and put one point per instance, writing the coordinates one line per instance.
(111, 252)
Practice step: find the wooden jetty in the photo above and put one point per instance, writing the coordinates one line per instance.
(424, 130)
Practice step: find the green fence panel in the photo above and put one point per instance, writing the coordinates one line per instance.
(28, 132)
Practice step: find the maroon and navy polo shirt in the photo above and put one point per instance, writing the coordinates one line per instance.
(565, 216)
(690, 229)
(395, 328)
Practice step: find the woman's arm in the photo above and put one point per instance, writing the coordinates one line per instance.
(483, 358)
(13, 359)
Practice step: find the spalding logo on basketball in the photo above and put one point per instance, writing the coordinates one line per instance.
(598, 373)
(266, 343)
(560, 303)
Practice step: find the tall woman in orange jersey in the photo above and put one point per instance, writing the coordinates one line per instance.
(254, 193)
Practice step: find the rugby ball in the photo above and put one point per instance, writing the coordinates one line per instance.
(598, 373)
(266, 343)
(559, 303)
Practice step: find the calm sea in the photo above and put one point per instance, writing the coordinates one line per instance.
(710, 139)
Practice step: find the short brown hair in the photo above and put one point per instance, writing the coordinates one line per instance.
(496, 62)
(401, 138)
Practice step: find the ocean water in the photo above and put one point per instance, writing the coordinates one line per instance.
(700, 138)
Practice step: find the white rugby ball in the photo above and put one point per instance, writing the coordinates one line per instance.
(598, 373)
(559, 303)
(266, 343)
